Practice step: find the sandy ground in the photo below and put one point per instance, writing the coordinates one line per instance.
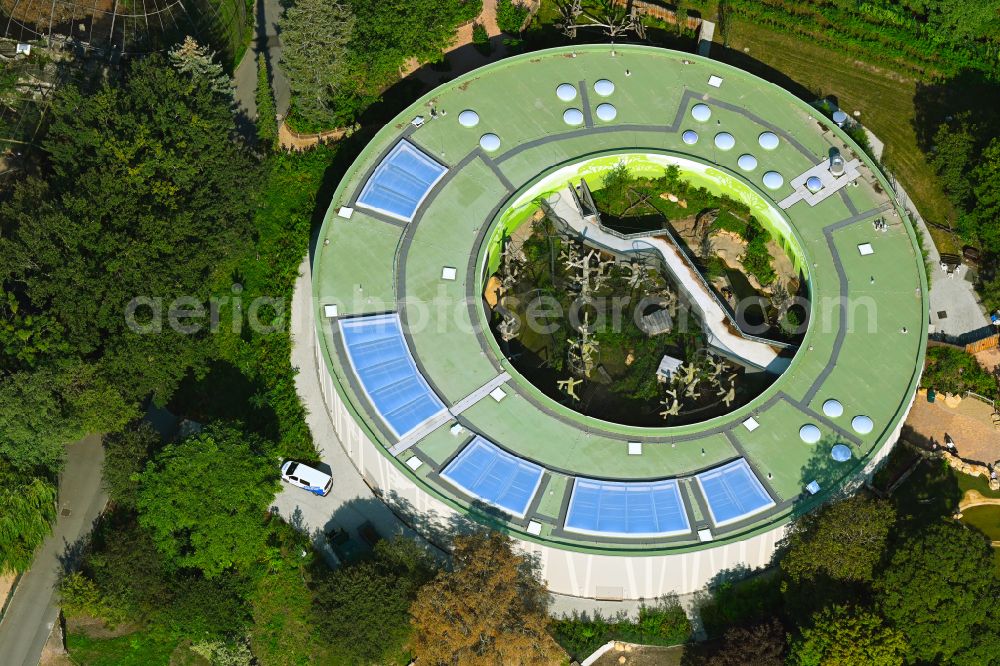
(968, 423)
(989, 359)
(54, 653)
(6, 582)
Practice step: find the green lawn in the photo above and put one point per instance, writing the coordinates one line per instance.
(884, 98)
(138, 649)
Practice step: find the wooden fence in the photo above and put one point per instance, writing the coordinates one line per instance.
(658, 12)
(990, 342)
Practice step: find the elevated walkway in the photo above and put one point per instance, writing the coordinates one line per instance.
(720, 332)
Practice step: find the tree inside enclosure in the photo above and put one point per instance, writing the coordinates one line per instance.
(511, 15)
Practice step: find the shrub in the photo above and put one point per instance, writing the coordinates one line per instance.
(481, 38)
(511, 15)
(741, 602)
(954, 371)
(663, 623)
(79, 594)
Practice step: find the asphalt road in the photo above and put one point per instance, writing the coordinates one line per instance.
(33, 610)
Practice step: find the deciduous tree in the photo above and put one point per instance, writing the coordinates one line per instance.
(146, 194)
(204, 500)
(362, 610)
(489, 609)
(845, 636)
(843, 541)
(935, 590)
(27, 510)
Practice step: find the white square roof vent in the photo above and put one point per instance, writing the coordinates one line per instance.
(417, 121)
(498, 394)
(715, 81)
(414, 463)
(751, 424)
(813, 487)
(330, 310)
(449, 273)
(457, 429)
(865, 249)
(635, 448)
(345, 212)
(705, 535)
(534, 527)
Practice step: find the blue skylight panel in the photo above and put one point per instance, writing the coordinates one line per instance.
(401, 182)
(733, 492)
(383, 364)
(627, 508)
(487, 472)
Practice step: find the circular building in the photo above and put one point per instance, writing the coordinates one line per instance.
(433, 404)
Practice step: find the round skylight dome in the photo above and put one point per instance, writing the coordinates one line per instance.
(468, 118)
(573, 117)
(773, 180)
(724, 141)
(768, 140)
(862, 424)
(809, 433)
(690, 137)
(701, 112)
(840, 453)
(489, 142)
(814, 184)
(606, 112)
(566, 92)
(747, 162)
(833, 408)
(603, 87)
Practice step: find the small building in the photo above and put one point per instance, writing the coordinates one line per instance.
(668, 366)
(656, 323)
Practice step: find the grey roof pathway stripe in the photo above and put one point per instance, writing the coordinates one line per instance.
(421, 431)
(687, 497)
(682, 108)
(822, 418)
(478, 394)
(838, 340)
(588, 118)
(847, 202)
(501, 176)
(382, 217)
(731, 436)
(539, 495)
(583, 131)
(760, 121)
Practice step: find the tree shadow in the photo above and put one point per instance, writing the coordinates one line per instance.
(224, 390)
(969, 91)
(747, 63)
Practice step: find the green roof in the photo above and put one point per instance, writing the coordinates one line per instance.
(373, 264)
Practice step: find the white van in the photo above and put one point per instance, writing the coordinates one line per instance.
(304, 476)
